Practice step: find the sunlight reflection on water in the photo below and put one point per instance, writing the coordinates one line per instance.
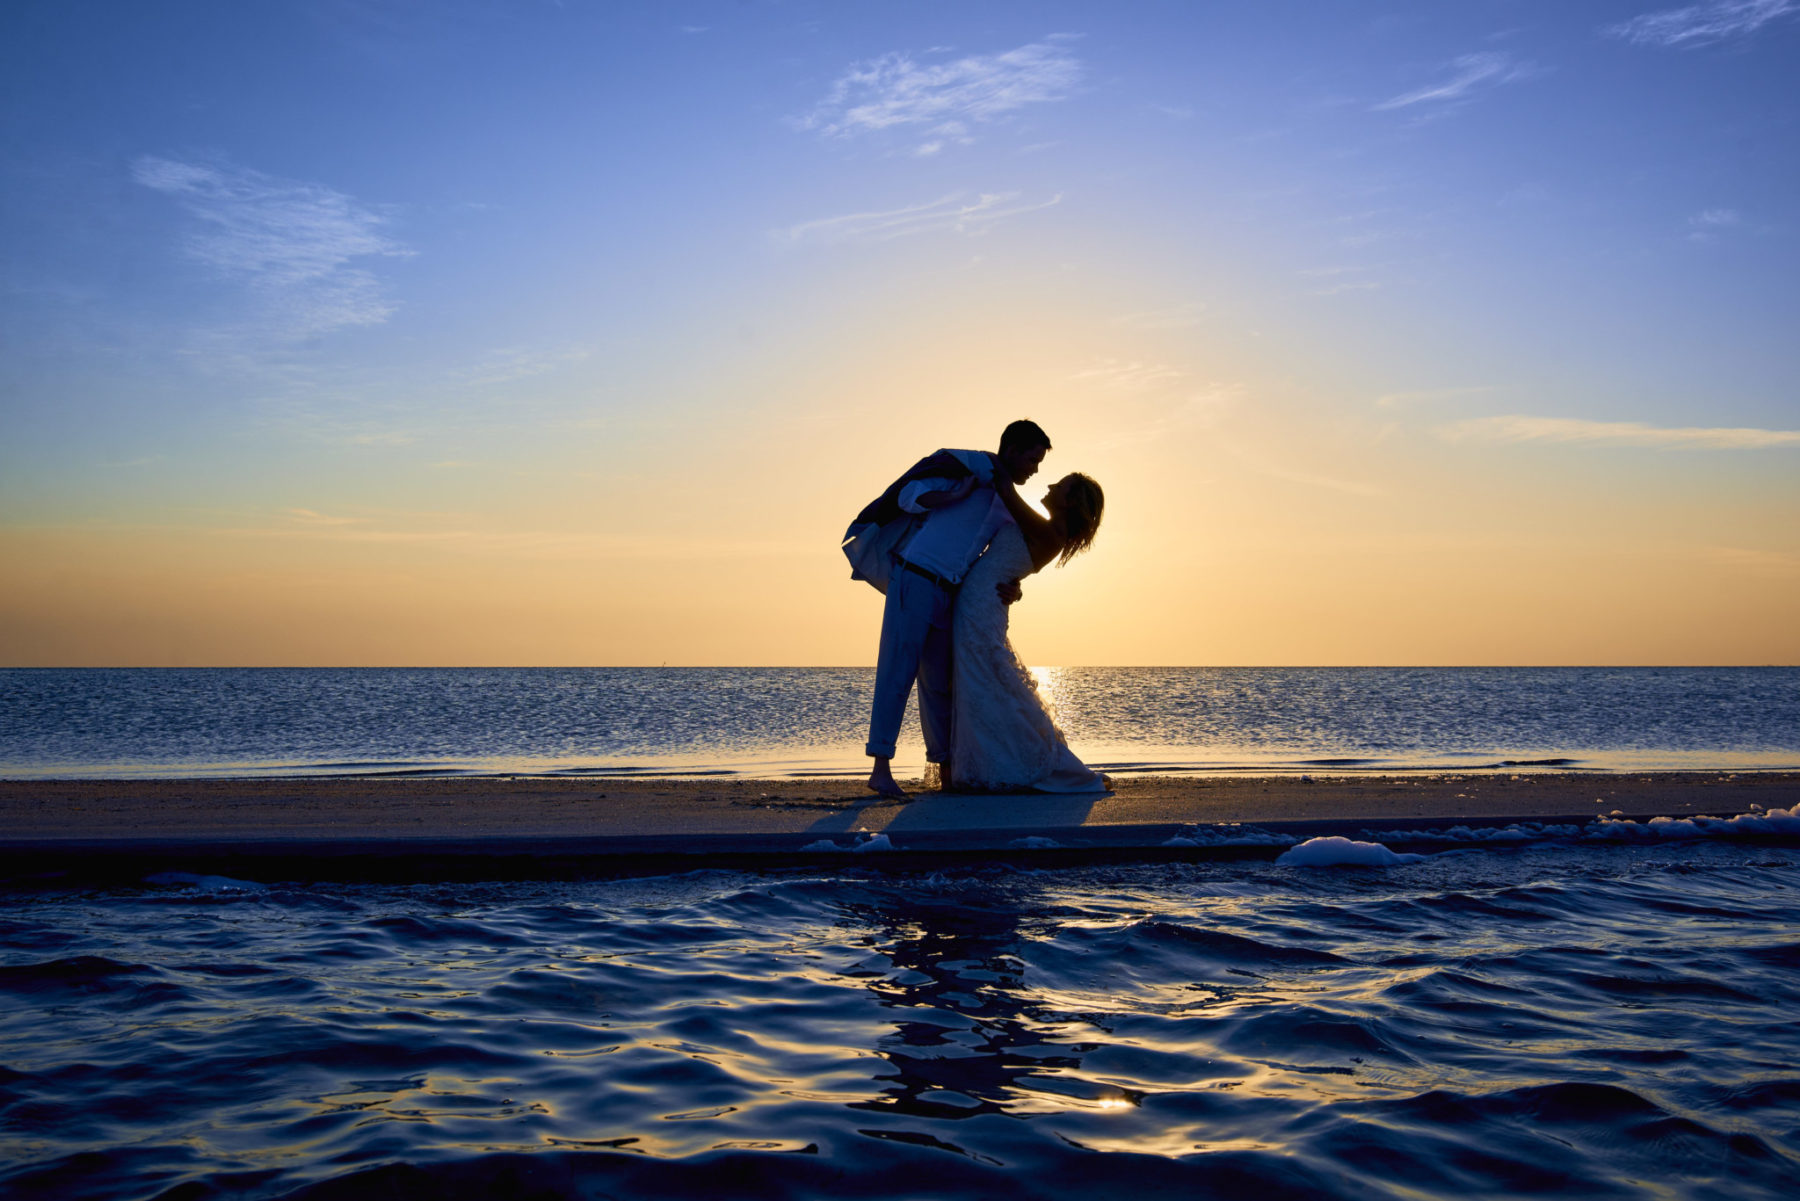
(1572, 1019)
(801, 721)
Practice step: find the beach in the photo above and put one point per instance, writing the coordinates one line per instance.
(286, 822)
(351, 808)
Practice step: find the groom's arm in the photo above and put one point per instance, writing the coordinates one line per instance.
(922, 496)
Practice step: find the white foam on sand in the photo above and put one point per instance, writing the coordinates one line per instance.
(1342, 852)
(1231, 835)
(1337, 851)
(1770, 821)
(1323, 852)
(877, 842)
(1517, 832)
(204, 883)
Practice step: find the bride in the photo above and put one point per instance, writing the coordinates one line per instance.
(1003, 738)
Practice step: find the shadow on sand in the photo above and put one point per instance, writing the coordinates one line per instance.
(937, 811)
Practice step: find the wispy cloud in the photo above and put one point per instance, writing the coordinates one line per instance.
(1615, 433)
(1198, 410)
(515, 363)
(1702, 24)
(381, 438)
(296, 244)
(314, 518)
(437, 531)
(1284, 469)
(1179, 316)
(1399, 400)
(1769, 564)
(1119, 375)
(1707, 225)
(951, 214)
(895, 90)
(1468, 74)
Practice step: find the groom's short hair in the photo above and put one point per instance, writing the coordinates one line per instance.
(1023, 435)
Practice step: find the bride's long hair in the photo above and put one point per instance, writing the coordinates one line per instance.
(1083, 504)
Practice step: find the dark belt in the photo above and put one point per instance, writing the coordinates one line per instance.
(933, 576)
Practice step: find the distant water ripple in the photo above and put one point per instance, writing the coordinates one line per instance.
(801, 721)
(1561, 1021)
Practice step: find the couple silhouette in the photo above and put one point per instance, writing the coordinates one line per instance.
(949, 543)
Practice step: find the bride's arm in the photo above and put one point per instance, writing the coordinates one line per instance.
(1041, 538)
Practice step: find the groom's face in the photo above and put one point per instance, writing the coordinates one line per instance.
(1022, 462)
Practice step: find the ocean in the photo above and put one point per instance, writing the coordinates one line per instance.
(1547, 1020)
(813, 721)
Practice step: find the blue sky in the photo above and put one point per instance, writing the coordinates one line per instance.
(306, 295)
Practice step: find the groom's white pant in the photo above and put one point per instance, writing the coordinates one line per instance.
(915, 645)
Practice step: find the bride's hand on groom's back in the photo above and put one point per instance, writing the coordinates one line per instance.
(1010, 591)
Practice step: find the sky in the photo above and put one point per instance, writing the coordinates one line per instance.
(366, 332)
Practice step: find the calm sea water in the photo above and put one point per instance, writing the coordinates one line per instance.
(1559, 1020)
(800, 721)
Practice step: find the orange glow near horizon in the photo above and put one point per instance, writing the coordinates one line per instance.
(316, 405)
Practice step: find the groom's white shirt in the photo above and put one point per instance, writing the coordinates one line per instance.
(953, 537)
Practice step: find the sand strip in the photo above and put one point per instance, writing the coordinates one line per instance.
(451, 825)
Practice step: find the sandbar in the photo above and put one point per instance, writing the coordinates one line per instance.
(119, 826)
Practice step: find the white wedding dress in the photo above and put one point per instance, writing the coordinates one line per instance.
(1003, 737)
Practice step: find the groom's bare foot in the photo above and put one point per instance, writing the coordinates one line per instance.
(881, 782)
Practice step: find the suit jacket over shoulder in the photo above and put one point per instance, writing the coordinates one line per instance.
(883, 524)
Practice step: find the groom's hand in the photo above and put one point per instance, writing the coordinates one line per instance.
(1009, 591)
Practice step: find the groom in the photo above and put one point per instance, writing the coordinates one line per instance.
(956, 513)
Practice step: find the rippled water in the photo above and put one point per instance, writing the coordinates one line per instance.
(797, 721)
(1558, 1020)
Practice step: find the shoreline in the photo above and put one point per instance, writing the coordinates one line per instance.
(361, 827)
(780, 773)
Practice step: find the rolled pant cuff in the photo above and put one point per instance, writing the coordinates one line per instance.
(877, 752)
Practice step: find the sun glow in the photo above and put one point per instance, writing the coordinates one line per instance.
(466, 401)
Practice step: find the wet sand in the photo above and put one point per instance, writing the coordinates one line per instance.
(503, 810)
